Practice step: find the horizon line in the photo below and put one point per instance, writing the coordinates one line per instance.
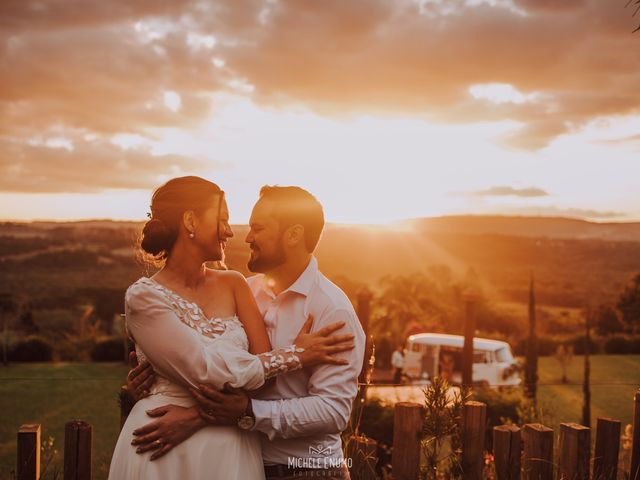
(629, 220)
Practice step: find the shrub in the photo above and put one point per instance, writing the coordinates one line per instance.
(546, 346)
(505, 406)
(502, 406)
(108, 349)
(441, 435)
(578, 345)
(621, 344)
(377, 421)
(74, 349)
(31, 349)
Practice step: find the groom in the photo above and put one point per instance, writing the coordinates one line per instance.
(301, 414)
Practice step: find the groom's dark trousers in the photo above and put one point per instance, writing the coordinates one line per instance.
(282, 472)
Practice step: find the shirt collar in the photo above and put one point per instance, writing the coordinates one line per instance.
(305, 281)
(302, 285)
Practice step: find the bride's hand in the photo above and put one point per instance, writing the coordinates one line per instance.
(319, 347)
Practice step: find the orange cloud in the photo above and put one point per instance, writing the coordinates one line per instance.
(506, 191)
(343, 57)
(86, 167)
(102, 80)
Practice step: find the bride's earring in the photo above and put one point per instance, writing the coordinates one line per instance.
(192, 235)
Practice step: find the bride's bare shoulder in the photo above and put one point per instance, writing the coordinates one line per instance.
(230, 278)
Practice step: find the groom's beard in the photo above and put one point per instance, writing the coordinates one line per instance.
(264, 264)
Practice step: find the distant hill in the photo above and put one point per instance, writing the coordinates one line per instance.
(572, 260)
(540, 227)
(519, 226)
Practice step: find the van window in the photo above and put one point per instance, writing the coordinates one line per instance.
(479, 356)
(503, 355)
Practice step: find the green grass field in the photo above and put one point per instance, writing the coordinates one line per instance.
(614, 379)
(52, 394)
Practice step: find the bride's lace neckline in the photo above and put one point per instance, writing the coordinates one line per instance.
(192, 314)
(194, 305)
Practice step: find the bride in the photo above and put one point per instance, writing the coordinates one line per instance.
(196, 325)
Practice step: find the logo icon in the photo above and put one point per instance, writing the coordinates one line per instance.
(321, 450)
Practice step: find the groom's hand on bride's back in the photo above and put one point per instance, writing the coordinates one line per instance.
(140, 378)
(173, 424)
(221, 407)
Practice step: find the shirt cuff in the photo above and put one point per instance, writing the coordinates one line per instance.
(262, 413)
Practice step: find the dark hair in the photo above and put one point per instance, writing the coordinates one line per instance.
(294, 205)
(168, 204)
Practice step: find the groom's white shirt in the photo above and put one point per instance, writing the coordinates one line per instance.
(303, 412)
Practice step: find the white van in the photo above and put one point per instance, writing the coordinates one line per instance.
(429, 355)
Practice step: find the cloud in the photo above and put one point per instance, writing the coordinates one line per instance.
(88, 70)
(104, 80)
(34, 15)
(632, 139)
(57, 166)
(533, 6)
(504, 191)
(555, 211)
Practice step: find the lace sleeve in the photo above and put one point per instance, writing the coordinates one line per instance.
(281, 360)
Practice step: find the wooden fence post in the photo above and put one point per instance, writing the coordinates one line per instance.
(538, 452)
(29, 452)
(362, 457)
(635, 445)
(575, 449)
(77, 450)
(474, 419)
(407, 433)
(605, 460)
(507, 449)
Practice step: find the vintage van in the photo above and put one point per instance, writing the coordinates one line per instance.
(427, 355)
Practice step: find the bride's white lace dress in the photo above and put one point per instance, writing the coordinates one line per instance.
(186, 348)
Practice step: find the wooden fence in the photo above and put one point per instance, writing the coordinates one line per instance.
(526, 452)
(77, 451)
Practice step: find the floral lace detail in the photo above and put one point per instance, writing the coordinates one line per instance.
(281, 360)
(275, 362)
(192, 315)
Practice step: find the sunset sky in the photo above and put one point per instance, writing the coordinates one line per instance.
(385, 110)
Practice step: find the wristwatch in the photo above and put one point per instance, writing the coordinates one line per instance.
(247, 420)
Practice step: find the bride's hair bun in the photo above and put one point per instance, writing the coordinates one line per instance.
(168, 204)
(156, 237)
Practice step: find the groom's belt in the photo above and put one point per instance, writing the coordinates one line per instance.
(282, 470)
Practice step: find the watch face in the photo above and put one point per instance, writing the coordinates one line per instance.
(246, 422)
